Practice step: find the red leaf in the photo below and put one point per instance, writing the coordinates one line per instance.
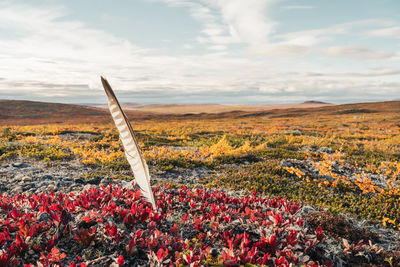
(184, 218)
(120, 260)
(162, 253)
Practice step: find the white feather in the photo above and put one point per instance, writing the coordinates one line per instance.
(132, 150)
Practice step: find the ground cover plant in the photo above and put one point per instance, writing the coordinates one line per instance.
(342, 162)
(192, 227)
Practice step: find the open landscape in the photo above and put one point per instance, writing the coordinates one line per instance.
(210, 108)
(304, 186)
(199, 133)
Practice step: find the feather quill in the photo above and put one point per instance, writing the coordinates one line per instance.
(133, 152)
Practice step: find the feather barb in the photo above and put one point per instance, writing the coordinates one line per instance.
(133, 152)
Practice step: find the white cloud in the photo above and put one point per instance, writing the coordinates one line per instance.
(391, 32)
(318, 36)
(247, 20)
(231, 21)
(357, 52)
(299, 7)
(50, 50)
(376, 72)
(217, 47)
(49, 56)
(278, 50)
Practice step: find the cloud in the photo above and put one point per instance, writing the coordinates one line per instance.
(217, 47)
(246, 20)
(376, 72)
(299, 7)
(50, 57)
(278, 50)
(319, 36)
(391, 32)
(357, 52)
(44, 33)
(231, 21)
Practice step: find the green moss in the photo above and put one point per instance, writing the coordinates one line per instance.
(271, 180)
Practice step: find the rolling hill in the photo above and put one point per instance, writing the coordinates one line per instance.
(211, 108)
(21, 112)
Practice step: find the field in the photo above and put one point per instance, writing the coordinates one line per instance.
(211, 108)
(308, 186)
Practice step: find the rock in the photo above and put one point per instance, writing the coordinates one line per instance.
(122, 227)
(3, 187)
(17, 190)
(27, 179)
(44, 217)
(286, 163)
(293, 132)
(214, 253)
(47, 177)
(105, 181)
(51, 187)
(307, 209)
(95, 181)
(28, 186)
(325, 150)
(126, 184)
(87, 187)
(42, 184)
(19, 165)
(79, 181)
(60, 184)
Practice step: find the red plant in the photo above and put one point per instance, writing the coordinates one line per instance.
(269, 239)
(112, 231)
(120, 260)
(85, 236)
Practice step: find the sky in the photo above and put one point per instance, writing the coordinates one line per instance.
(203, 51)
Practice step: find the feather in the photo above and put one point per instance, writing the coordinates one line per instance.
(133, 152)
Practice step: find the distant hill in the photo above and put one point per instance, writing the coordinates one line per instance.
(210, 108)
(28, 112)
(314, 102)
(23, 112)
(19, 112)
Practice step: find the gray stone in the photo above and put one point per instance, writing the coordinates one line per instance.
(51, 187)
(214, 253)
(27, 179)
(127, 184)
(17, 190)
(87, 187)
(19, 165)
(293, 132)
(307, 210)
(105, 181)
(44, 217)
(60, 184)
(47, 177)
(95, 181)
(79, 181)
(28, 186)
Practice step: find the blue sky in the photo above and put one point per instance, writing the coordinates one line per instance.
(204, 51)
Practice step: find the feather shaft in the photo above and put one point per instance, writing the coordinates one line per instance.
(133, 152)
